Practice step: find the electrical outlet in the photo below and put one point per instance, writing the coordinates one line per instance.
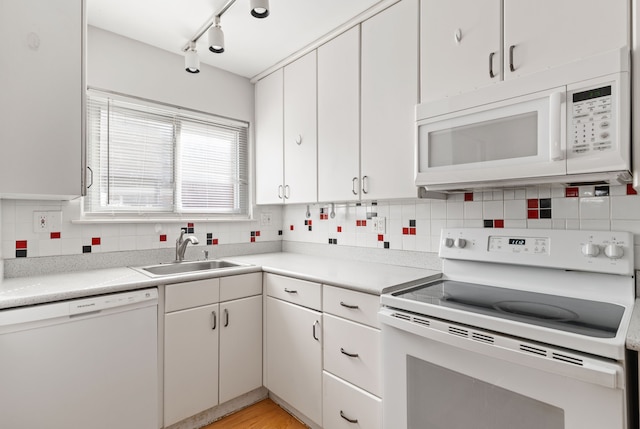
(381, 225)
(265, 219)
(47, 221)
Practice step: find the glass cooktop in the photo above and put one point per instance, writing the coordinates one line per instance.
(592, 318)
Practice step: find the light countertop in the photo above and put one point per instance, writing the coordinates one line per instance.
(362, 276)
(633, 333)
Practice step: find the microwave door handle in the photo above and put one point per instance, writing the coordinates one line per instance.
(555, 129)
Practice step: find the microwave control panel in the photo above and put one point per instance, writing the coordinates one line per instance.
(593, 121)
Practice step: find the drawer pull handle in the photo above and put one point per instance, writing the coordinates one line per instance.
(353, 355)
(353, 307)
(315, 337)
(226, 317)
(347, 418)
(290, 291)
(215, 320)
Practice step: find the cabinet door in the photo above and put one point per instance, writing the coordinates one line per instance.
(548, 33)
(240, 347)
(339, 117)
(389, 96)
(269, 135)
(294, 356)
(460, 46)
(190, 362)
(300, 134)
(41, 89)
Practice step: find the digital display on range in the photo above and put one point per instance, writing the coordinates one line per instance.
(517, 241)
(592, 93)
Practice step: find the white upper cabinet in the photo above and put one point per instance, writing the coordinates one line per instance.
(469, 44)
(300, 131)
(461, 46)
(389, 82)
(546, 33)
(41, 87)
(339, 117)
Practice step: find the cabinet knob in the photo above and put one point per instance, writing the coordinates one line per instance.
(591, 250)
(299, 139)
(457, 36)
(613, 251)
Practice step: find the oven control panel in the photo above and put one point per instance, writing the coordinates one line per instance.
(597, 251)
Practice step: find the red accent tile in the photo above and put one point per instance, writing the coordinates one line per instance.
(253, 239)
(190, 225)
(163, 237)
(532, 203)
(95, 241)
(290, 227)
(21, 244)
(532, 214)
(55, 235)
(405, 231)
(339, 229)
(572, 192)
(412, 231)
(310, 221)
(214, 241)
(630, 190)
(257, 233)
(468, 196)
(380, 237)
(364, 223)
(498, 223)
(358, 223)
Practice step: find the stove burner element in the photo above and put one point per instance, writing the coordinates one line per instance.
(538, 310)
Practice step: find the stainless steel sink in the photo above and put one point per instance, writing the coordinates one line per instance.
(186, 267)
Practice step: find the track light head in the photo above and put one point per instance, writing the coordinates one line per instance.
(216, 38)
(191, 59)
(260, 8)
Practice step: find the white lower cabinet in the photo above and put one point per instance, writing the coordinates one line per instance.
(345, 406)
(294, 346)
(212, 349)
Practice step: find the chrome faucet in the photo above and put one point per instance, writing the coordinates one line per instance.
(181, 245)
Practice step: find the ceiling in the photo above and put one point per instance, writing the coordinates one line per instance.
(251, 45)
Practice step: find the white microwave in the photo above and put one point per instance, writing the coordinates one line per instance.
(571, 133)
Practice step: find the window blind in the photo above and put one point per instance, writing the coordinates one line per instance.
(145, 158)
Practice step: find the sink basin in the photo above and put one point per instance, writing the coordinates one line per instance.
(186, 267)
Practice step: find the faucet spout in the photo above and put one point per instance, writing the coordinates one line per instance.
(181, 245)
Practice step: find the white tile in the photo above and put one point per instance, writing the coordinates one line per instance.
(531, 192)
(408, 212)
(435, 243)
(455, 210)
(539, 223)
(50, 247)
(565, 208)
(472, 209)
(395, 211)
(493, 210)
(617, 190)
(437, 225)
(520, 194)
(487, 196)
(625, 207)
(557, 192)
(544, 192)
(509, 194)
(515, 209)
(423, 210)
(438, 210)
(456, 197)
(632, 226)
(408, 242)
(473, 223)
(596, 225)
(423, 244)
(595, 208)
(71, 246)
(423, 227)
(587, 191)
(573, 224)
(127, 242)
(8, 213)
(455, 223)
(558, 224)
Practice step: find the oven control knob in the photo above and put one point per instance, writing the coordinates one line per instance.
(613, 251)
(460, 243)
(590, 249)
(447, 242)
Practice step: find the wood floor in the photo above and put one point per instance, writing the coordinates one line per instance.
(263, 415)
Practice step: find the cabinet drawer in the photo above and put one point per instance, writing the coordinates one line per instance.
(343, 338)
(342, 401)
(180, 296)
(300, 292)
(242, 286)
(357, 306)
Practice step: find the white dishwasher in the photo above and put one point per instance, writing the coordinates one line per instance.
(85, 363)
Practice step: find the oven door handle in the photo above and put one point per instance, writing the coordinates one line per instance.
(533, 355)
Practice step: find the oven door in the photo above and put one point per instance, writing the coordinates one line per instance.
(440, 375)
(518, 138)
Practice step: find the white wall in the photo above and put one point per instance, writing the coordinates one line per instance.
(119, 64)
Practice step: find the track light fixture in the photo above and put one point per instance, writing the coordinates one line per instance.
(191, 59)
(260, 8)
(216, 37)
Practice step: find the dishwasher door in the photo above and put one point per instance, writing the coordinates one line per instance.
(87, 363)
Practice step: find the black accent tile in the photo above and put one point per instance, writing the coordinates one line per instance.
(545, 203)
(86, 249)
(358, 204)
(190, 230)
(209, 241)
(488, 223)
(412, 223)
(279, 232)
(331, 241)
(310, 227)
(253, 233)
(335, 241)
(321, 210)
(209, 235)
(545, 213)
(386, 244)
(22, 253)
(374, 203)
(185, 229)
(306, 222)
(601, 191)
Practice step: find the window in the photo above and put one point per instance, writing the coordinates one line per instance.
(147, 158)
